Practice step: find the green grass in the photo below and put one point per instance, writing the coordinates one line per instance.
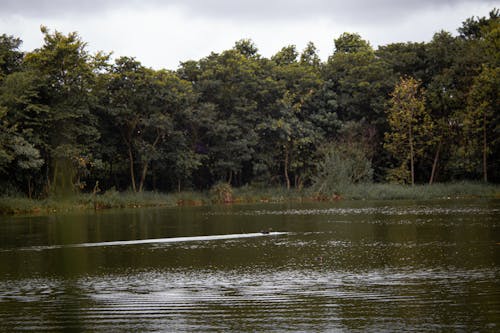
(115, 199)
(246, 194)
(421, 192)
(110, 199)
(17, 205)
(249, 194)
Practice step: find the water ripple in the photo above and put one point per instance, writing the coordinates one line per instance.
(387, 210)
(217, 300)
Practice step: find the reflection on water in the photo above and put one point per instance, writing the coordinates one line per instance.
(379, 267)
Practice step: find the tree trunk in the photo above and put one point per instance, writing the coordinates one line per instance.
(47, 176)
(179, 185)
(143, 175)
(412, 166)
(153, 174)
(30, 190)
(434, 164)
(485, 153)
(287, 178)
(146, 163)
(298, 183)
(132, 172)
(54, 177)
(110, 171)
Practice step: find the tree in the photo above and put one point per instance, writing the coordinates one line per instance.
(143, 104)
(351, 43)
(291, 136)
(442, 94)
(482, 120)
(405, 59)
(10, 56)
(473, 27)
(478, 85)
(286, 56)
(309, 56)
(236, 87)
(247, 48)
(409, 125)
(360, 82)
(18, 155)
(288, 128)
(67, 74)
(20, 119)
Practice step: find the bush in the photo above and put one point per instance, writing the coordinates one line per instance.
(342, 167)
(221, 193)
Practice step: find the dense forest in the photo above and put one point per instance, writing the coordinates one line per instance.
(404, 112)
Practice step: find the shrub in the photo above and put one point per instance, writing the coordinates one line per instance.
(340, 168)
(222, 193)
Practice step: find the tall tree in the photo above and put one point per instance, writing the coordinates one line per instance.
(482, 119)
(67, 74)
(441, 94)
(235, 85)
(479, 62)
(289, 127)
(410, 126)
(22, 123)
(360, 81)
(143, 103)
(10, 56)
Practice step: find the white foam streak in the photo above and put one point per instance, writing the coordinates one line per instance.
(178, 239)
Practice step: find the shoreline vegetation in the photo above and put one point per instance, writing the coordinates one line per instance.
(223, 194)
(81, 130)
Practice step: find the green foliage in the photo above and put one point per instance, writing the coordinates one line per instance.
(286, 56)
(405, 59)
(351, 43)
(143, 104)
(357, 82)
(410, 128)
(10, 56)
(309, 56)
(66, 73)
(473, 28)
(222, 193)
(247, 48)
(481, 119)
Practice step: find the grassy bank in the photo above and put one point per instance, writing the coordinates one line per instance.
(421, 192)
(109, 199)
(114, 199)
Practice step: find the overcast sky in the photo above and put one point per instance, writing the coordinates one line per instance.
(161, 33)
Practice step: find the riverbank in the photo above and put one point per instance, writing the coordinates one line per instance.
(247, 194)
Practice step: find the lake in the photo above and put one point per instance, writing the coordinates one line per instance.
(346, 266)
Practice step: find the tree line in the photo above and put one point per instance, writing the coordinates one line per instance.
(404, 112)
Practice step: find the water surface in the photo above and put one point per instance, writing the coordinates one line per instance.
(346, 266)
